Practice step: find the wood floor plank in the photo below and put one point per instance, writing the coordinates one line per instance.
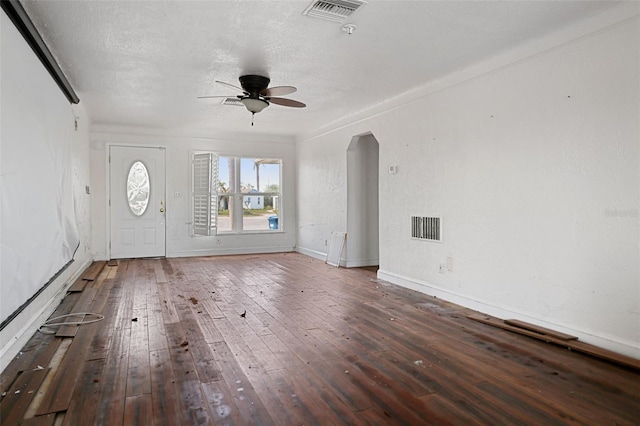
(15, 403)
(78, 285)
(236, 344)
(193, 405)
(385, 393)
(221, 404)
(36, 354)
(206, 365)
(58, 396)
(82, 306)
(374, 416)
(165, 398)
(539, 330)
(106, 301)
(251, 407)
(138, 410)
(93, 271)
(282, 351)
(138, 376)
(207, 324)
(157, 334)
(110, 406)
(443, 412)
(335, 374)
(46, 420)
(86, 394)
(309, 387)
(169, 313)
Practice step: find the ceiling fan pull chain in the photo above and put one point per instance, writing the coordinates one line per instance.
(253, 114)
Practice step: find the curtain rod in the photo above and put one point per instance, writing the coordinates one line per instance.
(19, 17)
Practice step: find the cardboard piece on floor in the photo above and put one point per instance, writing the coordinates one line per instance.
(336, 246)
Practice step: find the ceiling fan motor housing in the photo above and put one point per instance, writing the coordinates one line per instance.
(254, 84)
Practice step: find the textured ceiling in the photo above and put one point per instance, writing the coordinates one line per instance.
(143, 64)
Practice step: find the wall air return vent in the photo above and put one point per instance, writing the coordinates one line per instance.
(232, 101)
(333, 10)
(426, 228)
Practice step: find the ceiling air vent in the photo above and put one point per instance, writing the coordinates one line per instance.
(232, 101)
(332, 10)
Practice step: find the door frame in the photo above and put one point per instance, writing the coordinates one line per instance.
(107, 160)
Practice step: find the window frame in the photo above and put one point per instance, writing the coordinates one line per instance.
(236, 196)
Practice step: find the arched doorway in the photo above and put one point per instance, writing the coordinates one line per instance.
(362, 202)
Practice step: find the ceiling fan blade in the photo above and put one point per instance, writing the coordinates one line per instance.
(231, 85)
(286, 102)
(278, 91)
(206, 97)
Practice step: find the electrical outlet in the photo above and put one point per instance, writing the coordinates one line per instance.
(450, 264)
(218, 241)
(177, 194)
(442, 268)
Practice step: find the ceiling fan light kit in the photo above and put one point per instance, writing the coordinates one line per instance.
(254, 105)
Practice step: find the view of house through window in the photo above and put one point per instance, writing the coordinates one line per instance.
(247, 194)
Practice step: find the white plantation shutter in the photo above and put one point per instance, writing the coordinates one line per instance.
(205, 195)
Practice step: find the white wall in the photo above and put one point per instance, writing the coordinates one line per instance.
(534, 168)
(178, 149)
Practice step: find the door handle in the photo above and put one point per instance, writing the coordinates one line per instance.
(161, 209)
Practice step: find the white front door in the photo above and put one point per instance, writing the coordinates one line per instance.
(137, 200)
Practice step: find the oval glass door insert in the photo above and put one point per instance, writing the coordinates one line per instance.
(138, 188)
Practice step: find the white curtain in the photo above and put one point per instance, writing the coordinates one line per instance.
(38, 232)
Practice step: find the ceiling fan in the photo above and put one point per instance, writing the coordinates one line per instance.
(256, 95)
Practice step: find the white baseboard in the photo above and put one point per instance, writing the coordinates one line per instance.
(362, 262)
(18, 332)
(231, 251)
(343, 264)
(611, 343)
(313, 253)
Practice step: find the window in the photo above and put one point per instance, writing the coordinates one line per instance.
(138, 188)
(238, 195)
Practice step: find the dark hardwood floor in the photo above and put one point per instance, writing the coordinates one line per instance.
(285, 339)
